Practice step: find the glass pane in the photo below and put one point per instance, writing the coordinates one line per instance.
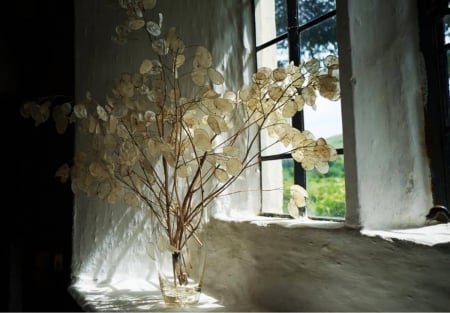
(447, 28)
(270, 19)
(274, 55)
(277, 177)
(280, 16)
(309, 10)
(325, 121)
(269, 147)
(327, 192)
(319, 40)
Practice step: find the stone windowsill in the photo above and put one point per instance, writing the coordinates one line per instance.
(129, 295)
(428, 235)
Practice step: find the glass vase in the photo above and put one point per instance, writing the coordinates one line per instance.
(181, 266)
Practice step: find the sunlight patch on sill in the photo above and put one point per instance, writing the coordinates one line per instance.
(128, 295)
(284, 222)
(428, 235)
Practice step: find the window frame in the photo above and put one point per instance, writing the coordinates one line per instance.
(437, 109)
(292, 35)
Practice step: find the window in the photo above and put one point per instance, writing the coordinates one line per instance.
(295, 30)
(434, 18)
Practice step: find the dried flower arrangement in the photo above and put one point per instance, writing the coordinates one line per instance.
(164, 139)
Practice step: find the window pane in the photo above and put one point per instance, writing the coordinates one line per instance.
(269, 147)
(309, 10)
(327, 192)
(280, 16)
(319, 40)
(276, 55)
(277, 177)
(270, 19)
(325, 121)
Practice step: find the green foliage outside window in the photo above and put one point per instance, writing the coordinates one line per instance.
(326, 192)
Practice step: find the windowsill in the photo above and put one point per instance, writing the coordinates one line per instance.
(129, 295)
(141, 295)
(427, 235)
(285, 222)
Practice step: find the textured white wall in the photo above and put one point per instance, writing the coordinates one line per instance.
(393, 184)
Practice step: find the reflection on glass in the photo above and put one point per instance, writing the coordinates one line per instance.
(309, 10)
(319, 40)
(327, 192)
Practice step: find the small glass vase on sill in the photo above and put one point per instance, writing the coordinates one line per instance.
(180, 263)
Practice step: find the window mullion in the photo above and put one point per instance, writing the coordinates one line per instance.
(294, 55)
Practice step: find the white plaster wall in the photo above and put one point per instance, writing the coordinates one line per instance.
(392, 171)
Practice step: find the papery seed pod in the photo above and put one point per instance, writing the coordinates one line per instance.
(312, 66)
(63, 173)
(160, 47)
(322, 167)
(214, 124)
(148, 4)
(198, 76)
(329, 87)
(146, 66)
(331, 62)
(289, 109)
(221, 175)
(234, 166)
(231, 151)
(136, 23)
(307, 163)
(179, 61)
(215, 77)
(201, 140)
(279, 74)
(184, 171)
(293, 209)
(223, 105)
(203, 57)
(153, 28)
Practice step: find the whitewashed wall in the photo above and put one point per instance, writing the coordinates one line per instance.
(383, 96)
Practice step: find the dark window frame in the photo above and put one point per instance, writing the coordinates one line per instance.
(437, 108)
